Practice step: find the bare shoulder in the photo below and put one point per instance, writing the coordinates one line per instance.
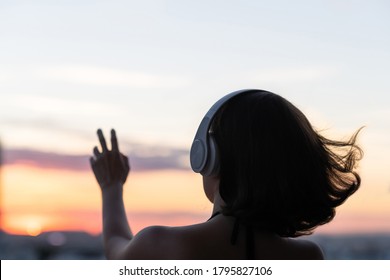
(156, 242)
(305, 249)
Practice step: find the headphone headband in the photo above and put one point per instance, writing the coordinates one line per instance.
(202, 146)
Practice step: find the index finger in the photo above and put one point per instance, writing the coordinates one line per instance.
(114, 141)
(102, 140)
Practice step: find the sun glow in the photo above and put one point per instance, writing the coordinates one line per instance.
(33, 227)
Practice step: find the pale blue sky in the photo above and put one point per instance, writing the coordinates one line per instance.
(151, 69)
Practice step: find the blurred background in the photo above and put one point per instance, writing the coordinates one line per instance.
(151, 70)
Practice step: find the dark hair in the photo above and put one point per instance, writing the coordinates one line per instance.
(276, 172)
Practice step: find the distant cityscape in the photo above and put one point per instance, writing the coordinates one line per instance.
(354, 246)
(51, 246)
(83, 246)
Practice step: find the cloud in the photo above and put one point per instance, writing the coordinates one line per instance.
(158, 158)
(91, 75)
(100, 76)
(49, 124)
(45, 159)
(295, 74)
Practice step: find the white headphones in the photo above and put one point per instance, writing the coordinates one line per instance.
(204, 151)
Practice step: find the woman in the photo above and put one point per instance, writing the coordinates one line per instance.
(272, 177)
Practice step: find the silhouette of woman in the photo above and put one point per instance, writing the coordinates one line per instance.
(272, 178)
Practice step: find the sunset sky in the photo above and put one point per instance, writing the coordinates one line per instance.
(151, 70)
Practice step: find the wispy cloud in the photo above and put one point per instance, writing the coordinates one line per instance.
(101, 76)
(157, 158)
(295, 74)
(52, 125)
(45, 159)
(91, 75)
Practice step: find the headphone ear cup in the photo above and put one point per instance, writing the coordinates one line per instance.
(213, 163)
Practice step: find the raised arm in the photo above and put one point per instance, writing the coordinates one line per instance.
(111, 169)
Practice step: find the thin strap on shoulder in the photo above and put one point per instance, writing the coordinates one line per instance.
(215, 214)
(249, 239)
(250, 236)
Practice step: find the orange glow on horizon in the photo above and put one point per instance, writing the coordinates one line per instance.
(37, 200)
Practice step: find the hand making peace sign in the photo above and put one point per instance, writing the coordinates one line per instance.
(109, 166)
